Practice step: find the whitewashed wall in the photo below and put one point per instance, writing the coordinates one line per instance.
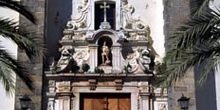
(152, 12)
(7, 102)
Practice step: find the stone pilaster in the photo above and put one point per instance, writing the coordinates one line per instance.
(93, 57)
(145, 105)
(116, 59)
(51, 102)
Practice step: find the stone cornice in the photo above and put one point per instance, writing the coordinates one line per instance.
(86, 76)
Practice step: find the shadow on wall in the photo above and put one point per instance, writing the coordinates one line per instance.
(206, 93)
(57, 14)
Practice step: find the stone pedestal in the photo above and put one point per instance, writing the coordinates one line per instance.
(107, 69)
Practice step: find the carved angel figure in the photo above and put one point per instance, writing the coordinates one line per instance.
(131, 61)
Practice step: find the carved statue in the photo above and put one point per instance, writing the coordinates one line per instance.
(66, 55)
(139, 58)
(105, 54)
(131, 61)
(145, 60)
(80, 56)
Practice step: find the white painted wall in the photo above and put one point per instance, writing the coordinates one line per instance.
(6, 102)
(152, 12)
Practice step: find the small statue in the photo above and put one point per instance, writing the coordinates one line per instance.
(105, 54)
(145, 60)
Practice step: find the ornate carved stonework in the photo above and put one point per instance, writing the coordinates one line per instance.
(119, 59)
(162, 106)
(77, 40)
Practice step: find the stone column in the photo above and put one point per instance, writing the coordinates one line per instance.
(50, 105)
(116, 59)
(144, 101)
(64, 95)
(65, 102)
(51, 95)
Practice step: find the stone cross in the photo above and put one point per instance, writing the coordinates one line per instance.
(104, 6)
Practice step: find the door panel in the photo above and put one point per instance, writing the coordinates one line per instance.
(105, 102)
(113, 104)
(87, 103)
(125, 104)
(97, 104)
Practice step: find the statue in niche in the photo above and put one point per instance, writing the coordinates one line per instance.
(105, 54)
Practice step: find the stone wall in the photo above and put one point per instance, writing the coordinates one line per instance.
(176, 12)
(35, 67)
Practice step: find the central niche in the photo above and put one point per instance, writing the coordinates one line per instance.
(105, 51)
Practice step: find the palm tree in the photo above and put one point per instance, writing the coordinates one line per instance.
(196, 43)
(25, 40)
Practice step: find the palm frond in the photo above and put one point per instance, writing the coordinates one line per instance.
(197, 28)
(25, 39)
(209, 55)
(17, 6)
(198, 6)
(175, 67)
(195, 43)
(9, 66)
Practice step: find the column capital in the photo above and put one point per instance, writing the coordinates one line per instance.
(144, 95)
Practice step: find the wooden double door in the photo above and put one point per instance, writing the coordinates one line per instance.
(100, 101)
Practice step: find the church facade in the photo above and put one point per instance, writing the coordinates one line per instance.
(101, 55)
(106, 61)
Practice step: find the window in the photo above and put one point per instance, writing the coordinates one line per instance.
(99, 14)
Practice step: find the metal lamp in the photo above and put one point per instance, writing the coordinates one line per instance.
(183, 102)
(25, 102)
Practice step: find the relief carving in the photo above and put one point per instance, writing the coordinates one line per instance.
(140, 58)
(162, 106)
(144, 60)
(131, 62)
(71, 59)
(79, 22)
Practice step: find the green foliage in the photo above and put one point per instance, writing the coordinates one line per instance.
(18, 7)
(194, 43)
(85, 67)
(98, 70)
